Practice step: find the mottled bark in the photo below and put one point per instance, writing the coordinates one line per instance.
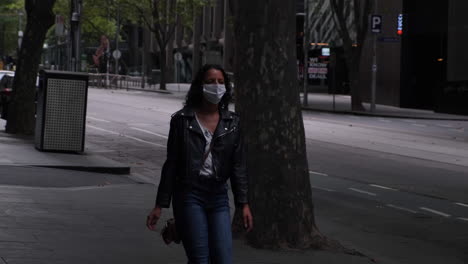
(267, 98)
(40, 18)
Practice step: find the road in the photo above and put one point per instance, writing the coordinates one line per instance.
(404, 180)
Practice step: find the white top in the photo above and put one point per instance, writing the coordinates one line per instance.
(207, 168)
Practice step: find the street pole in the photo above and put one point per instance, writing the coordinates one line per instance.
(75, 34)
(306, 51)
(374, 66)
(117, 34)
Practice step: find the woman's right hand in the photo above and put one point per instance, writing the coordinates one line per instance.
(153, 218)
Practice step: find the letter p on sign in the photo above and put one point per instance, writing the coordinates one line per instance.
(376, 23)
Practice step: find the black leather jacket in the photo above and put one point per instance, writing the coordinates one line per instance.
(185, 150)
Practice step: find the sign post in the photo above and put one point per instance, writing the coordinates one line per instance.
(306, 51)
(376, 28)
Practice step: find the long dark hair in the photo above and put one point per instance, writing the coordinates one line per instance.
(194, 97)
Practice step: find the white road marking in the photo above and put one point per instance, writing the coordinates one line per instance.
(382, 187)
(148, 132)
(419, 125)
(462, 204)
(127, 136)
(318, 173)
(144, 141)
(435, 211)
(401, 208)
(102, 129)
(463, 219)
(385, 120)
(448, 126)
(361, 191)
(98, 119)
(457, 130)
(323, 189)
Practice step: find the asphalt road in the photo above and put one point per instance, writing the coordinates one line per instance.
(402, 179)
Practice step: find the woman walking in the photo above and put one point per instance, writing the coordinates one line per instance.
(204, 150)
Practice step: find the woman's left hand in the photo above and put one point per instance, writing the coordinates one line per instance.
(247, 217)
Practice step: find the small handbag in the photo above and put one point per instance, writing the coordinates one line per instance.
(169, 232)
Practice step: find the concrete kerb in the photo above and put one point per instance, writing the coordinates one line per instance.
(402, 116)
(124, 170)
(150, 90)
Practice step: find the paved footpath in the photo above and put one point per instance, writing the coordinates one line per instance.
(83, 217)
(56, 208)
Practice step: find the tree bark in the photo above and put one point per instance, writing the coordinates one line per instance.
(163, 59)
(267, 98)
(170, 60)
(197, 31)
(228, 60)
(40, 17)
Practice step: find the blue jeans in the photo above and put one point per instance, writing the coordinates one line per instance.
(204, 222)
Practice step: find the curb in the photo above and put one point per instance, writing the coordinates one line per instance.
(358, 113)
(109, 170)
(135, 89)
(148, 90)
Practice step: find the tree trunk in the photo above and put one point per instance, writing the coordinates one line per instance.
(353, 65)
(361, 11)
(267, 98)
(162, 82)
(197, 31)
(40, 18)
(170, 61)
(228, 58)
(353, 73)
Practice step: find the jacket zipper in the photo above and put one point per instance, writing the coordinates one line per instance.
(228, 132)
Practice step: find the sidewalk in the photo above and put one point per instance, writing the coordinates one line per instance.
(341, 104)
(52, 213)
(20, 151)
(106, 224)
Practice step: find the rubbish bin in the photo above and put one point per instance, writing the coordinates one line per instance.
(61, 111)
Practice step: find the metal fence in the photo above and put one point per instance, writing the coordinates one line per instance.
(114, 81)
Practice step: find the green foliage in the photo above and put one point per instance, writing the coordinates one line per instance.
(9, 22)
(100, 16)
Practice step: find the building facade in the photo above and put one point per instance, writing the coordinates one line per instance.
(420, 52)
(423, 66)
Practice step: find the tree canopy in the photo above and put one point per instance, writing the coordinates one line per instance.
(10, 16)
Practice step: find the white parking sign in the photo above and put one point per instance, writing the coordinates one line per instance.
(376, 23)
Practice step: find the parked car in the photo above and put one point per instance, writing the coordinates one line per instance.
(6, 84)
(6, 89)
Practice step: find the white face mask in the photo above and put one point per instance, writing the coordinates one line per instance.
(214, 92)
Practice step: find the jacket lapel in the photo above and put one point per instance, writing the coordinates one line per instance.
(193, 126)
